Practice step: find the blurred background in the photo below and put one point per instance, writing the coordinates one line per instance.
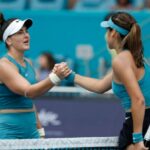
(69, 30)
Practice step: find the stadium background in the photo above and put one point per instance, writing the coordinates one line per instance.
(69, 35)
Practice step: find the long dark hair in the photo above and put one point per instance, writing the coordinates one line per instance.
(132, 41)
(2, 20)
(4, 24)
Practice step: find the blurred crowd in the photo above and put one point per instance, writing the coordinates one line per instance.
(75, 4)
(109, 4)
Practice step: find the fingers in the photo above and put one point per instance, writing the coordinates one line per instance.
(67, 73)
(62, 70)
(58, 67)
(55, 68)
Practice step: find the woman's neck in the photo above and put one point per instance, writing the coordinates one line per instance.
(18, 56)
(118, 50)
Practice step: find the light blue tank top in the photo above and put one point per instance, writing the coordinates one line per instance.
(144, 83)
(11, 100)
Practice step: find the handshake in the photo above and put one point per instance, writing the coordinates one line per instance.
(61, 71)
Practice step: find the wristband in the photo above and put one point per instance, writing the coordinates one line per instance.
(71, 77)
(54, 78)
(41, 132)
(137, 137)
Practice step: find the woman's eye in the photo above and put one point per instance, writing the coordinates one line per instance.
(22, 32)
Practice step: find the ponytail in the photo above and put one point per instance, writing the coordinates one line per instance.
(2, 20)
(133, 43)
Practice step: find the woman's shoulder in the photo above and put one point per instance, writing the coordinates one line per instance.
(6, 64)
(126, 54)
(4, 61)
(7, 69)
(122, 66)
(123, 63)
(124, 58)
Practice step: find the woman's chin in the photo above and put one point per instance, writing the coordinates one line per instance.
(26, 48)
(111, 47)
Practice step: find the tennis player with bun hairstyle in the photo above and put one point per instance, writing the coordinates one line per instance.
(18, 83)
(129, 79)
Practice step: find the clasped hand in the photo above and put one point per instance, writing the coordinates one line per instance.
(61, 70)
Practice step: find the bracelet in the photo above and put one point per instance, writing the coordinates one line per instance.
(137, 137)
(54, 78)
(41, 132)
(71, 77)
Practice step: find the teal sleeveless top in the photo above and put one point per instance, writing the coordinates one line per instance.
(144, 83)
(11, 100)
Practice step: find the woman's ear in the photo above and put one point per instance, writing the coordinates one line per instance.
(9, 41)
(113, 33)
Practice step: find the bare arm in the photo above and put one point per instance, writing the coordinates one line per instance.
(124, 72)
(37, 118)
(38, 125)
(18, 84)
(91, 84)
(38, 121)
(94, 85)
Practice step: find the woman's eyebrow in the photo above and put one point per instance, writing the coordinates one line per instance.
(21, 30)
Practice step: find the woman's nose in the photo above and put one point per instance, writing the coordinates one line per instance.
(26, 34)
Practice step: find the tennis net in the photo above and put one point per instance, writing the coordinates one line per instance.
(82, 143)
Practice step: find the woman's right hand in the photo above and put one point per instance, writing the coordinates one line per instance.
(61, 70)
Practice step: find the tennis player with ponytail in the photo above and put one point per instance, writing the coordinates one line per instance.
(18, 83)
(129, 79)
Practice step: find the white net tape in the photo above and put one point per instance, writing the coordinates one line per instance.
(55, 143)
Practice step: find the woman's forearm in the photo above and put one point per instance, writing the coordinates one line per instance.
(138, 111)
(90, 84)
(39, 88)
(94, 85)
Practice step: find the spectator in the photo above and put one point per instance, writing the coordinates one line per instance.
(147, 4)
(71, 4)
(46, 64)
(123, 4)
